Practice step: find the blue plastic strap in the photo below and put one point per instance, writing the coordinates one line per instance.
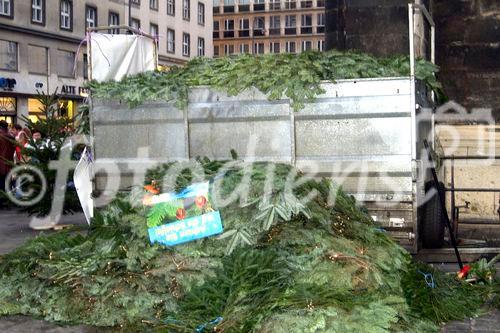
(202, 327)
(429, 279)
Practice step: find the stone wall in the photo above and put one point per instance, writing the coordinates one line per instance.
(468, 51)
(467, 41)
(378, 27)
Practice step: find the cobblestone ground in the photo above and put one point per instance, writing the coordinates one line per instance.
(14, 231)
(484, 324)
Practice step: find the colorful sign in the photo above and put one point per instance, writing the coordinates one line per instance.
(181, 217)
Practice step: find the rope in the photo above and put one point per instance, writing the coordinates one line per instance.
(429, 279)
(75, 61)
(202, 327)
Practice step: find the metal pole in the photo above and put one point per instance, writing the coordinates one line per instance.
(443, 204)
(129, 13)
(472, 189)
(411, 32)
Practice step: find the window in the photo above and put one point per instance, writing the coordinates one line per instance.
(136, 2)
(186, 41)
(259, 26)
(306, 4)
(244, 48)
(274, 4)
(186, 12)
(8, 106)
(290, 25)
(258, 48)
(243, 6)
(216, 8)
(201, 13)
(320, 3)
(290, 47)
(228, 6)
(37, 61)
(274, 25)
(274, 47)
(228, 28)
(201, 47)
(35, 108)
(216, 30)
(6, 8)
(259, 5)
(38, 11)
(321, 45)
(153, 30)
(135, 23)
(153, 4)
(320, 24)
(85, 66)
(91, 16)
(170, 41)
(228, 49)
(306, 24)
(171, 7)
(66, 15)
(216, 50)
(244, 28)
(306, 45)
(113, 20)
(65, 61)
(8, 55)
(290, 4)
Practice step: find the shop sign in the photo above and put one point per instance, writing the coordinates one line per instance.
(7, 83)
(68, 90)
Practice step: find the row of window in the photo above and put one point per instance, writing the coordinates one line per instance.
(38, 59)
(186, 44)
(274, 47)
(274, 26)
(38, 56)
(229, 6)
(38, 8)
(186, 10)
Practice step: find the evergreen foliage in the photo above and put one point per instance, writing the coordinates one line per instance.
(313, 267)
(297, 77)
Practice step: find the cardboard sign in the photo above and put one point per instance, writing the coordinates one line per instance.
(181, 217)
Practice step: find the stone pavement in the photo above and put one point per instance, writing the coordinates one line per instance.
(484, 324)
(14, 230)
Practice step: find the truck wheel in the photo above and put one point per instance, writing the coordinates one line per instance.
(433, 222)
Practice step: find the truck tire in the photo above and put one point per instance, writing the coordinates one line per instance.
(433, 222)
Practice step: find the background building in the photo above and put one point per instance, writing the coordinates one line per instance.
(183, 27)
(268, 26)
(39, 40)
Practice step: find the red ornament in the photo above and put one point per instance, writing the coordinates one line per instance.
(180, 214)
(151, 189)
(464, 272)
(200, 201)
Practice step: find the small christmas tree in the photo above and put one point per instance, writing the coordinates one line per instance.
(55, 131)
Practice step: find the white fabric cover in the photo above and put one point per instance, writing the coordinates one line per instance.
(114, 56)
(82, 177)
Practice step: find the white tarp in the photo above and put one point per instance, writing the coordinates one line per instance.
(114, 56)
(82, 178)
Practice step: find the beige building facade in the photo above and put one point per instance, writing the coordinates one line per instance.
(41, 46)
(268, 26)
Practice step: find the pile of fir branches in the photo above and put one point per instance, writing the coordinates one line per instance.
(296, 77)
(281, 265)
